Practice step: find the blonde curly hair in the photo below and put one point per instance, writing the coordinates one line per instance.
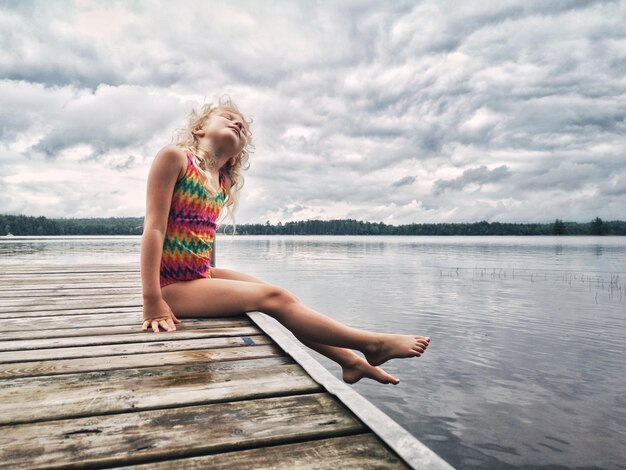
(186, 138)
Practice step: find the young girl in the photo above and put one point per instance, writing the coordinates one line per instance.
(188, 185)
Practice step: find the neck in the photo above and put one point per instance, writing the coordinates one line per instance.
(212, 156)
(216, 157)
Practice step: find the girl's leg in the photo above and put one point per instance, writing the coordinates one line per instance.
(220, 297)
(354, 366)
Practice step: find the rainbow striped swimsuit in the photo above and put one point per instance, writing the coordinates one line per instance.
(191, 225)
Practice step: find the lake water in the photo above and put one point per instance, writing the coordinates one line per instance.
(526, 364)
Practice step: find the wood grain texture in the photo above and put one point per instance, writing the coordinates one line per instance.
(178, 432)
(31, 399)
(152, 342)
(263, 348)
(45, 268)
(132, 317)
(360, 451)
(28, 304)
(67, 310)
(72, 290)
(56, 327)
(148, 336)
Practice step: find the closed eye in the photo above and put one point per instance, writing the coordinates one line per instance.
(243, 127)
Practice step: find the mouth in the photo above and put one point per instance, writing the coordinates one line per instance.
(235, 129)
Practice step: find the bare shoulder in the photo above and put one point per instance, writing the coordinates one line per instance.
(172, 158)
(168, 165)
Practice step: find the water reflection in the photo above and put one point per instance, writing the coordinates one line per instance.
(73, 250)
(519, 342)
(598, 250)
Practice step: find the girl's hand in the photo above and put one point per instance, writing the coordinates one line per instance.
(156, 313)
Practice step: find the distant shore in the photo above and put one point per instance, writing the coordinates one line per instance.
(22, 225)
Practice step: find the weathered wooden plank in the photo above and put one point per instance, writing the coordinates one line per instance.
(31, 399)
(63, 268)
(69, 310)
(153, 342)
(68, 327)
(71, 291)
(109, 275)
(178, 432)
(70, 268)
(359, 451)
(52, 269)
(262, 347)
(68, 292)
(139, 337)
(7, 279)
(28, 304)
(46, 322)
(78, 281)
(45, 281)
(103, 313)
(117, 319)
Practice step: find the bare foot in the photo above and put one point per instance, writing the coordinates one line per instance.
(361, 368)
(390, 346)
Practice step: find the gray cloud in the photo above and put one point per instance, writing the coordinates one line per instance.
(614, 185)
(479, 176)
(110, 118)
(403, 181)
(362, 110)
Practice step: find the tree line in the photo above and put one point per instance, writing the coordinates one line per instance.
(28, 225)
(356, 227)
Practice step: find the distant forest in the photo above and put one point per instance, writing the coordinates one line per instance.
(26, 225)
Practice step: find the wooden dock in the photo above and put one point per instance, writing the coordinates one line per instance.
(82, 386)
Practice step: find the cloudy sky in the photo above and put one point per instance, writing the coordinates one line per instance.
(394, 112)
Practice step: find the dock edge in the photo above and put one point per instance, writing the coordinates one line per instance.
(417, 455)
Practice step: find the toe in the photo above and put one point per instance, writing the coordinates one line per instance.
(393, 379)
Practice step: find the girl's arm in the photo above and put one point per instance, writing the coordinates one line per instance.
(167, 166)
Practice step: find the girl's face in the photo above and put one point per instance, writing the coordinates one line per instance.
(226, 130)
